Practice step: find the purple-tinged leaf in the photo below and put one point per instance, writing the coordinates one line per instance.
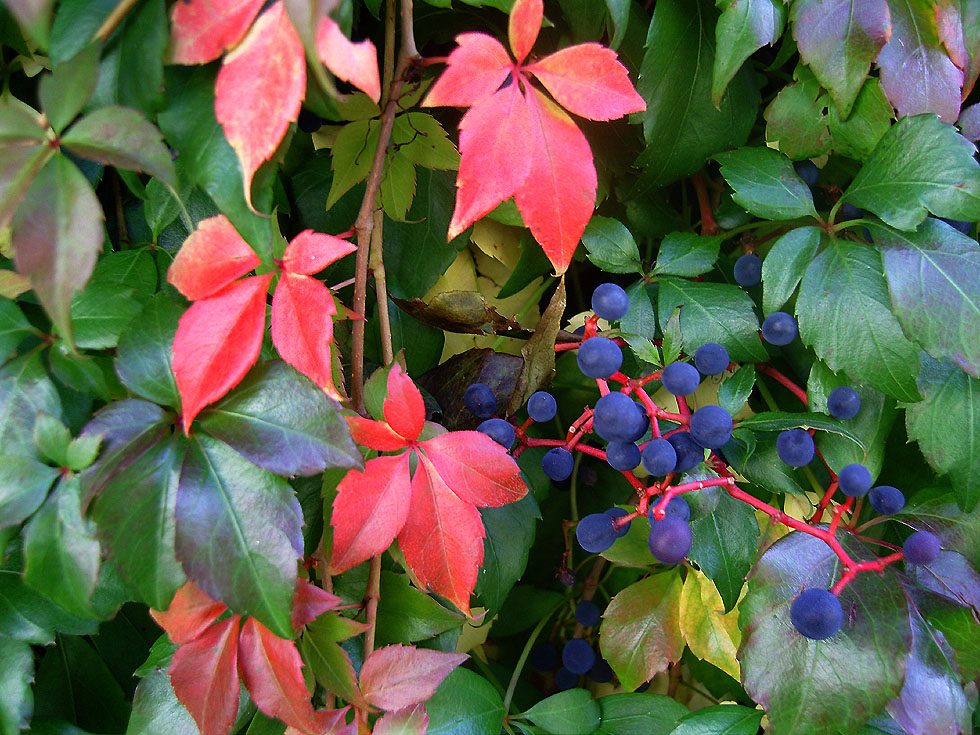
(951, 576)
(797, 120)
(57, 236)
(19, 163)
(969, 122)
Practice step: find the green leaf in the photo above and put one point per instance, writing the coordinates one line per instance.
(57, 234)
(74, 25)
(681, 125)
(510, 532)
(422, 140)
(639, 714)
(406, 615)
(24, 484)
(919, 166)
(619, 14)
(611, 246)
(13, 328)
(19, 124)
(736, 389)
(532, 264)
(785, 264)
(82, 452)
(133, 268)
(238, 533)
(742, 29)
(134, 67)
(397, 187)
(782, 420)
(101, 312)
(759, 463)
(279, 420)
(687, 254)
(640, 632)
(801, 682)
(845, 315)
(959, 627)
(931, 275)
(711, 634)
(16, 677)
(157, 709)
(722, 719)
(61, 553)
(25, 389)
(144, 353)
(135, 513)
(351, 155)
(858, 134)
(631, 550)
(724, 545)
(465, 704)
(766, 183)
(64, 92)
(672, 343)
(713, 312)
(572, 712)
(328, 662)
(946, 424)
(796, 121)
(51, 437)
(84, 373)
(640, 319)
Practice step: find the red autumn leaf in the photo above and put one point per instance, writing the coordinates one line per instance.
(309, 603)
(589, 81)
(443, 537)
(395, 677)
(204, 29)
(403, 407)
(302, 327)
(212, 257)
(475, 69)
(271, 668)
(475, 467)
(558, 196)
(375, 434)
(191, 611)
(412, 720)
(259, 90)
(310, 252)
(204, 675)
(369, 510)
(329, 722)
(523, 26)
(356, 63)
(218, 340)
(495, 155)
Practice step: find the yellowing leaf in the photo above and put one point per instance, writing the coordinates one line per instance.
(710, 634)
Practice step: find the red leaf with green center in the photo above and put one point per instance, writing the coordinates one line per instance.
(329, 722)
(400, 676)
(523, 26)
(412, 720)
(217, 341)
(375, 434)
(443, 537)
(589, 81)
(309, 603)
(558, 196)
(259, 90)
(356, 63)
(310, 252)
(475, 70)
(496, 153)
(204, 29)
(302, 327)
(212, 257)
(191, 611)
(204, 675)
(476, 468)
(370, 510)
(403, 407)
(272, 671)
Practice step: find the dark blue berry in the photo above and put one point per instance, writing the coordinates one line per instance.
(601, 671)
(748, 270)
(854, 480)
(642, 425)
(886, 499)
(670, 540)
(480, 400)
(619, 513)
(587, 613)
(565, 679)
(308, 122)
(610, 302)
(642, 688)
(566, 577)
(689, 454)
(711, 359)
(615, 417)
(779, 329)
(659, 457)
(816, 613)
(677, 508)
(848, 212)
(958, 224)
(921, 547)
(544, 657)
(711, 426)
(843, 403)
(623, 456)
(795, 447)
(542, 406)
(599, 357)
(557, 463)
(680, 378)
(578, 656)
(808, 171)
(499, 430)
(595, 533)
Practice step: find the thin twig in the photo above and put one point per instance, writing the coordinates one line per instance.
(115, 18)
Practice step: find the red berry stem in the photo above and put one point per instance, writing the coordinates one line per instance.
(767, 369)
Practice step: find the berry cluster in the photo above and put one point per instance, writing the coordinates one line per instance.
(577, 656)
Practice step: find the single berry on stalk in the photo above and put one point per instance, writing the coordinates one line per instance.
(599, 357)
(659, 457)
(541, 406)
(595, 532)
(748, 270)
(610, 302)
(557, 463)
(615, 418)
(587, 613)
(816, 613)
(779, 329)
(680, 378)
(711, 359)
(854, 480)
(711, 426)
(921, 547)
(677, 508)
(578, 656)
(795, 447)
(843, 403)
(615, 513)
(480, 400)
(689, 453)
(886, 499)
(499, 430)
(623, 456)
(670, 540)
